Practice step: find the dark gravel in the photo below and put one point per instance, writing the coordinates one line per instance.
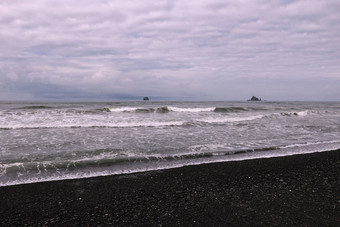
(300, 190)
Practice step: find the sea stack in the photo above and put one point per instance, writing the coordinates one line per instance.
(146, 98)
(254, 98)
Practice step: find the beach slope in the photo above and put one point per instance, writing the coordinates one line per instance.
(292, 190)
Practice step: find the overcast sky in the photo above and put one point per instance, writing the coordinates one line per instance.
(179, 50)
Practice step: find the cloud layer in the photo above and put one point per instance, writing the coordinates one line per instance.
(225, 50)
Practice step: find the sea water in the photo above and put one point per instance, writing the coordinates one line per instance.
(54, 141)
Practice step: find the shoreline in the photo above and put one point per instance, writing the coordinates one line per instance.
(253, 155)
(300, 189)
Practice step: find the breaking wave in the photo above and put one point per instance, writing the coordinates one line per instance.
(166, 109)
(98, 118)
(34, 169)
(229, 109)
(162, 109)
(80, 123)
(34, 107)
(24, 169)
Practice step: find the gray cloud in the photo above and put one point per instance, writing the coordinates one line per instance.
(177, 49)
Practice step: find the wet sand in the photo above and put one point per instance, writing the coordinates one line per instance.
(294, 190)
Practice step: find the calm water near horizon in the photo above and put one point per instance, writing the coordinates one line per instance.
(52, 141)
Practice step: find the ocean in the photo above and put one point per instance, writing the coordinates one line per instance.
(49, 141)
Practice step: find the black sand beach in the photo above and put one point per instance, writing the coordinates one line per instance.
(301, 190)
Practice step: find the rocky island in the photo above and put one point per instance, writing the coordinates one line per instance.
(254, 98)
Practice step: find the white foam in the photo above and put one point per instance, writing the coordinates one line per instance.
(163, 165)
(310, 144)
(303, 113)
(210, 147)
(109, 121)
(170, 108)
(230, 119)
(124, 109)
(192, 110)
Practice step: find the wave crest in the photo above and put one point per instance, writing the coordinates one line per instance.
(34, 107)
(229, 109)
(292, 114)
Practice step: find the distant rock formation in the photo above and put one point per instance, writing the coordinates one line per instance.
(254, 98)
(146, 98)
